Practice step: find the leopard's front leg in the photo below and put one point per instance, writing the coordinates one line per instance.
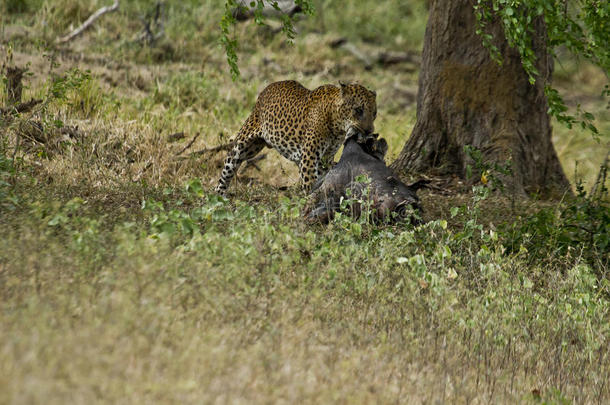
(309, 166)
(327, 160)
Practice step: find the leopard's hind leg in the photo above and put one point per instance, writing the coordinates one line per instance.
(248, 143)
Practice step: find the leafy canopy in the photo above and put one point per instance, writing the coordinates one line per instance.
(228, 21)
(582, 27)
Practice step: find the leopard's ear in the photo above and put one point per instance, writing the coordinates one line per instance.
(373, 92)
(343, 86)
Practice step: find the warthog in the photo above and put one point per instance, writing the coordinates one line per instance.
(362, 180)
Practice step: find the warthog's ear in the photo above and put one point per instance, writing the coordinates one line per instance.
(392, 181)
(419, 184)
(362, 139)
(381, 148)
(368, 143)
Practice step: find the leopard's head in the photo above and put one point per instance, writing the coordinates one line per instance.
(357, 108)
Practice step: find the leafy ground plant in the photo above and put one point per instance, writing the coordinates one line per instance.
(207, 298)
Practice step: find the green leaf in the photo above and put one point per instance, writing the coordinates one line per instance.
(356, 229)
(194, 186)
(446, 252)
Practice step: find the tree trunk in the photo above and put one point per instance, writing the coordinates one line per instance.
(466, 98)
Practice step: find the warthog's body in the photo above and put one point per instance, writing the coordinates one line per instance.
(388, 197)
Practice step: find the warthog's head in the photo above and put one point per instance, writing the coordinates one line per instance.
(362, 177)
(388, 200)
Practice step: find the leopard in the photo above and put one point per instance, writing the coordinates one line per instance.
(305, 126)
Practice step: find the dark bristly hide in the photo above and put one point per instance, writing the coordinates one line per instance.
(362, 176)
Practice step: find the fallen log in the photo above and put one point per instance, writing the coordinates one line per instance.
(372, 57)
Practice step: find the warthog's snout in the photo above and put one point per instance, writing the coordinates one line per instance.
(403, 209)
(408, 209)
(361, 136)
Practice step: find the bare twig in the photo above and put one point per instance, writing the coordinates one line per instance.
(252, 162)
(144, 170)
(175, 137)
(601, 177)
(152, 19)
(215, 149)
(89, 22)
(188, 145)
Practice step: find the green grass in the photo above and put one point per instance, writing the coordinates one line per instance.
(123, 279)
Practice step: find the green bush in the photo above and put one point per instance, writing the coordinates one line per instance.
(21, 6)
(581, 225)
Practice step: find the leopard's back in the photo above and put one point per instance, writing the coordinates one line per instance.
(287, 110)
(305, 126)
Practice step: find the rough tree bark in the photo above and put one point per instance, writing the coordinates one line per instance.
(466, 98)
